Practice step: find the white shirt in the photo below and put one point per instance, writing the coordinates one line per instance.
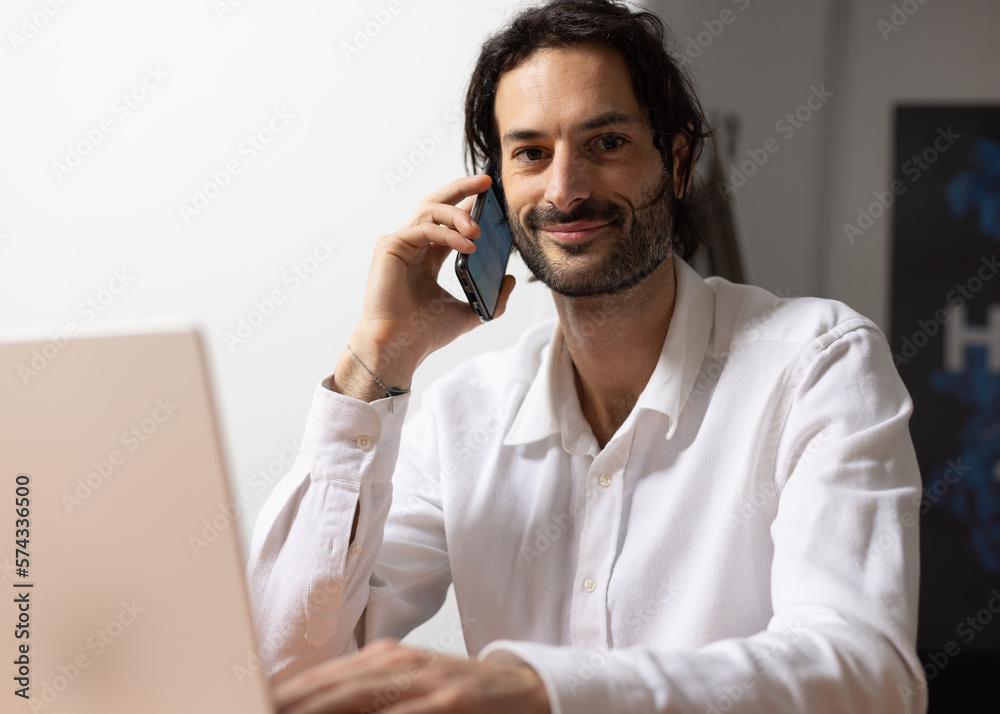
(746, 542)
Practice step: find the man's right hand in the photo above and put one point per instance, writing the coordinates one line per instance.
(407, 315)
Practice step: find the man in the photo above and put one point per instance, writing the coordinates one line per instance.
(681, 496)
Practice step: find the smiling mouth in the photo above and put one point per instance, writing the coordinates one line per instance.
(574, 232)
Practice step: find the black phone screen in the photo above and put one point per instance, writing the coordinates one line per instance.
(481, 273)
(488, 264)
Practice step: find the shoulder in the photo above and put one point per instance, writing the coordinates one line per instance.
(746, 314)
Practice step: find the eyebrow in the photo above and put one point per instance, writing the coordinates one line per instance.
(613, 117)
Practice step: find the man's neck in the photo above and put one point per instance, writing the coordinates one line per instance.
(615, 343)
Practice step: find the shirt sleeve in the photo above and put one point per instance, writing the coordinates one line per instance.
(315, 595)
(844, 576)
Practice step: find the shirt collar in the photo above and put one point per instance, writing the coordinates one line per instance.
(684, 348)
(551, 404)
(544, 406)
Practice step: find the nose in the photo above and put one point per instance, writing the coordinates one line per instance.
(568, 182)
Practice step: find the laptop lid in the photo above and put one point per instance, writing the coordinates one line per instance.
(121, 572)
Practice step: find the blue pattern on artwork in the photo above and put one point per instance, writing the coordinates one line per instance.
(978, 188)
(975, 497)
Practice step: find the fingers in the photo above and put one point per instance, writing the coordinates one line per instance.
(436, 255)
(353, 682)
(411, 681)
(308, 685)
(406, 243)
(505, 290)
(466, 204)
(348, 697)
(439, 207)
(451, 699)
(438, 211)
(446, 215)
(460, 188)
(471, 319)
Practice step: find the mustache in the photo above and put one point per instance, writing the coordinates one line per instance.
(592, 209)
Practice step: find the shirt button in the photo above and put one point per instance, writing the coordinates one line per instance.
(364, 443)
(356, 549)
(604, 480)
(589, 585)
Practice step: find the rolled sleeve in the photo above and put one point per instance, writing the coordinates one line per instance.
(307, 582)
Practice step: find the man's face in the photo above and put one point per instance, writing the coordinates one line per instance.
(580, 172)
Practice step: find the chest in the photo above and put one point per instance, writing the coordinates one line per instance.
(647, 539)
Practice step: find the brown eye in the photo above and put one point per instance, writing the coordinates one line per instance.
(528, 154)
(609, 142)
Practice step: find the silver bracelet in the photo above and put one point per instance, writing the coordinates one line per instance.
(389, 391)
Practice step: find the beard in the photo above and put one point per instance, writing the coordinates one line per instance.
(640, 242)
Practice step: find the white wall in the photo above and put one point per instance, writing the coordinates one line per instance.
(944, 52)
(760, 61)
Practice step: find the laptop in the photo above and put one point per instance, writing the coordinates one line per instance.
(121, 571)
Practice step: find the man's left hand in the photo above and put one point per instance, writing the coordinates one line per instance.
(387, 676)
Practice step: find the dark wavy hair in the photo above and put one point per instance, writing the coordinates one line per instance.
(662, 89)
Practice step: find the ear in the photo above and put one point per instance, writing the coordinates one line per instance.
(681, 149)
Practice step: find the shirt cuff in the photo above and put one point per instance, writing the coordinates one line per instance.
(347, 437)
(579, 681)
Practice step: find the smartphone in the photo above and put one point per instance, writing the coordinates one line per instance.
(481, 273)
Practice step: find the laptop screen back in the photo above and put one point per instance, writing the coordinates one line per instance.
(121, 561)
